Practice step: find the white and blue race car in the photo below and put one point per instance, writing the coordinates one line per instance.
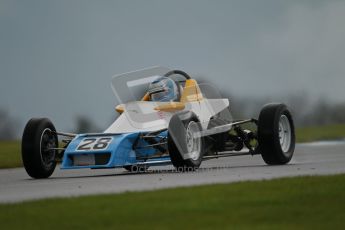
(165, 117)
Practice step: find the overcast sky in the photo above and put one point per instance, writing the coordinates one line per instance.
(57, 57)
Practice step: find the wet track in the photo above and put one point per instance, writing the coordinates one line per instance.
(309, 159)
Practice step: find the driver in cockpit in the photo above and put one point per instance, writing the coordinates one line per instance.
(164, 90)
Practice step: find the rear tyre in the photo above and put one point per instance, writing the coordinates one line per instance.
(276, 134)
(185, 150)
(38, 138)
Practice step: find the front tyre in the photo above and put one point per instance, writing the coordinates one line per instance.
(39, 138)
(276, 134)
(186, 151)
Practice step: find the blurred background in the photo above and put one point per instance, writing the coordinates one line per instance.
(57, 58)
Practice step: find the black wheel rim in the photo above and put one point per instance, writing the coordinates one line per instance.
(48, 143)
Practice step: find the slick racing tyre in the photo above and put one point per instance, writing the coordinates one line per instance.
(186, 151)
(39, 138)
(276, 134)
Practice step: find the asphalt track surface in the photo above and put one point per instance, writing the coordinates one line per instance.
(320, 158)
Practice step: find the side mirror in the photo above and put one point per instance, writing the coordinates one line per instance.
(120, 108)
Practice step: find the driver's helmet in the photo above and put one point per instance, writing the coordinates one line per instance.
(163, 89)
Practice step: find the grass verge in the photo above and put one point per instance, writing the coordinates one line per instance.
(290, 203)
(10, 156)
(322, 132)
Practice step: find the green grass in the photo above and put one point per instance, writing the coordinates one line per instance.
(325, 132)
(290, 203)
(10, 156)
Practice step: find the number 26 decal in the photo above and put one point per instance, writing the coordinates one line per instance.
(94, 143)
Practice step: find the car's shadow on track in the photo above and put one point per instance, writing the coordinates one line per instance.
(166, 171)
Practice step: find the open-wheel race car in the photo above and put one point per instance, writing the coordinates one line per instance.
(165, 117)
